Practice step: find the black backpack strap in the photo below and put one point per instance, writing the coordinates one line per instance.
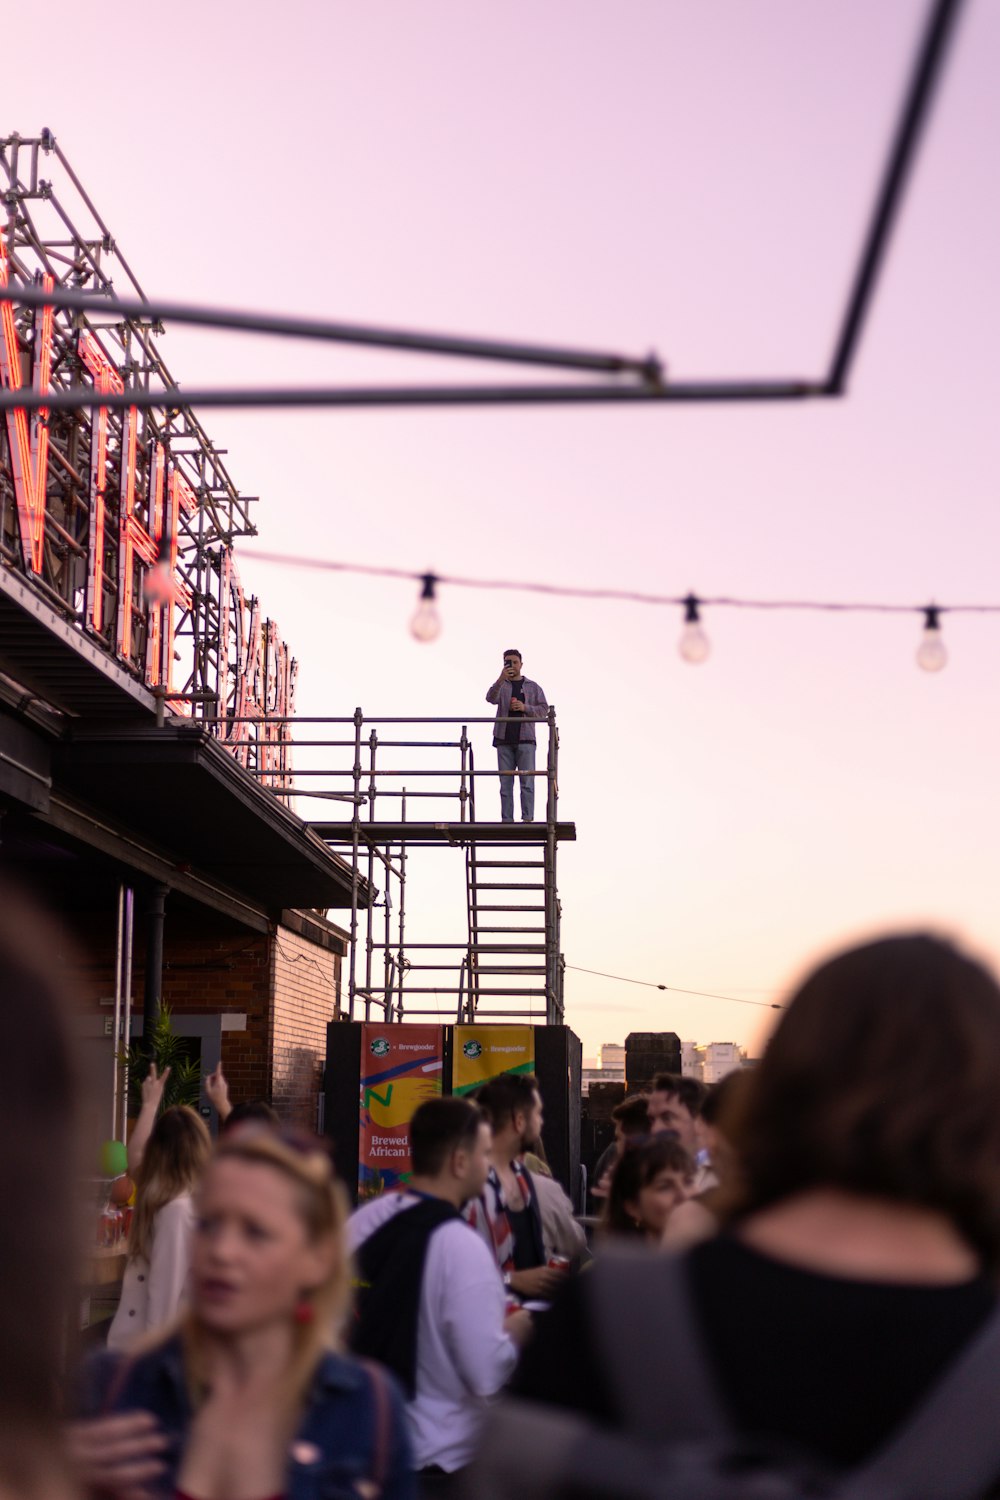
(648, 1341)
(949, 1449)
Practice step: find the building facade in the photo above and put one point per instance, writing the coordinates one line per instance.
(145, 763)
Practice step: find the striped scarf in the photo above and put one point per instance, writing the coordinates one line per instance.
(488, 1214)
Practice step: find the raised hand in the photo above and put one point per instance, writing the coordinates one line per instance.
(217, 1091)
(152, 1087)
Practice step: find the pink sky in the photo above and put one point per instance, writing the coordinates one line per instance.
(693, 178)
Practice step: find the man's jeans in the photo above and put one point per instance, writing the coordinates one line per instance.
(520, 757)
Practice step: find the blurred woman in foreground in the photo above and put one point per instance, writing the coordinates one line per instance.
(39, 1134)
(250, 1399)
(862, 1245)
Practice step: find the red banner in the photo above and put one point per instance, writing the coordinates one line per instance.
(401, 1066)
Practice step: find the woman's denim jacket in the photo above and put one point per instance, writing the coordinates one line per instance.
(333, 1454)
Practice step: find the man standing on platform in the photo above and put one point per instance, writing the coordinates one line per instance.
(519, 702)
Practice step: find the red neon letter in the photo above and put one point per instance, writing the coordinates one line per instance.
(232, 619)
(180, 497)
(29, 448)
(132, 537)
(262, 684)
(106, 378)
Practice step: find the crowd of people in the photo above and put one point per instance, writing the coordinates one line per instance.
(798, 1267)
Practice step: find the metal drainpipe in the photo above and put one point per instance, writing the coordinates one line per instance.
(116, 1029)
(126, 1031)
(153, 996)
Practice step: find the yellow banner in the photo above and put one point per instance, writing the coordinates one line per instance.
(484, 1052)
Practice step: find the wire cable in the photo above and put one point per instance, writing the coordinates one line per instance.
(651, 984)
(629, 596)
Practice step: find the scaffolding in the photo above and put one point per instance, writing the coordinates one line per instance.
(94, 503)
(508, 965)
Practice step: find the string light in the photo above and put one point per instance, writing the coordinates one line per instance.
(425, 626)
(694, 644)
(932, 654)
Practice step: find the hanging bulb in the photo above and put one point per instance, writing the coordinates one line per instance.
(932, 654)
(158, 584)
(426, 622)
(694, 644)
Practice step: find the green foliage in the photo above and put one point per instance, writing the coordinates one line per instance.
(168, 1051)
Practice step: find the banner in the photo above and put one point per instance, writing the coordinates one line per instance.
(400, 1068)
(484, 1052)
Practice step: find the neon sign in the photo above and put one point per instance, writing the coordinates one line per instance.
(106, 378)
(29, 447)
(155, 557)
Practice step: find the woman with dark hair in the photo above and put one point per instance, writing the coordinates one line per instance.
(250, 1396)
(653, 1175)
(861, 1245)
(159, 1242)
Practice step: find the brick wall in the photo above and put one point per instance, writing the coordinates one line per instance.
(286, 983)
(305, 979)
(225, 974)
(210, 965)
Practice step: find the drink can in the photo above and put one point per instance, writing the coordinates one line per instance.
(107, 1227)
(512, 1305)
(558, 1262)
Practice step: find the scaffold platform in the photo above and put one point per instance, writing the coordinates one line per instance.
(505, 963)
(443, 833)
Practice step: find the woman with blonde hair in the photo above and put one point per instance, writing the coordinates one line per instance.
(250, 1396)
(159, 1250)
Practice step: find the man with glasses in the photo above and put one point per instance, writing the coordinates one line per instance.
(519, 702)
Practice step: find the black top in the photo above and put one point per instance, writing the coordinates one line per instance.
(526, 1250)
(514, 727)
(828, 1364)
(390, 1267)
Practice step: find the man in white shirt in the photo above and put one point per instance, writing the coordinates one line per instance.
(431, 1303)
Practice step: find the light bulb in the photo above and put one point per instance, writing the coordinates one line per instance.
(158, 585)
(932, 654)
(426, 622)
(694, 644)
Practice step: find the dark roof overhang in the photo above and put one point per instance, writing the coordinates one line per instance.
(178, 787)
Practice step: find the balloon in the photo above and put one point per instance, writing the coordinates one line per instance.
(114, 1159)
(121, 1190)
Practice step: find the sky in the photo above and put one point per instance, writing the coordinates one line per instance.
(652, 174)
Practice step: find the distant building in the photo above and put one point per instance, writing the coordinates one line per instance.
(609, 1067)
(692, 1060)
(611, 1056)
(721, 1058)
(708, 1063)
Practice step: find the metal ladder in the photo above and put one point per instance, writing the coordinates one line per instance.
(514, 961)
